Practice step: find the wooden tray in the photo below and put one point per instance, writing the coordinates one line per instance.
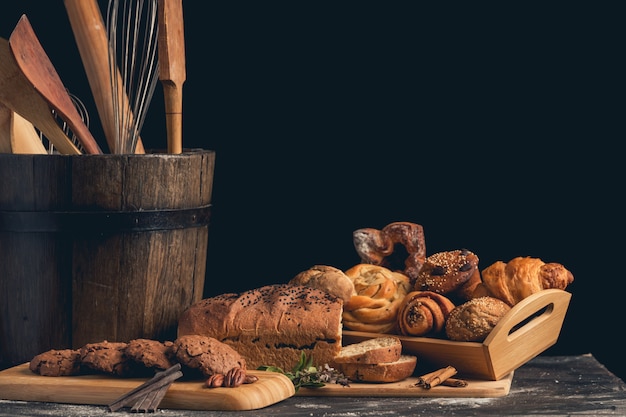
(407, 388)
(19, 383)
(532, 326)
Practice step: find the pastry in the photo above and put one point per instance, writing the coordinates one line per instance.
(446, 272)
(423, 313)
(379, 292)
(397, 239)
(473, 320)
(272, 325)
(522, 276)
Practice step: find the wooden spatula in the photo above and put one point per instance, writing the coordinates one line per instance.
(20, 96)
(37, 68)
(172, 71)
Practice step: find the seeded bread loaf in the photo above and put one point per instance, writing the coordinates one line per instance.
(377, 350)
(379, 372)
(271, 325)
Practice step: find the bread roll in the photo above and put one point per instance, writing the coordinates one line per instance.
(271, 325)
(522, 276)
(326, 278)
(473, 320)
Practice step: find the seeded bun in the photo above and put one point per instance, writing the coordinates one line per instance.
(473, 320)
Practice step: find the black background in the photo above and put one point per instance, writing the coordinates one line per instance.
(497, 128)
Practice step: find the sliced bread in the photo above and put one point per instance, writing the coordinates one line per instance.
(376, 350)
(379, 372)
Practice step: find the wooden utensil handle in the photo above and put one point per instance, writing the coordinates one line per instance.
(172, 72)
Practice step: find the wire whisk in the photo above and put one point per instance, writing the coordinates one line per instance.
(132, 30)
(84, 115)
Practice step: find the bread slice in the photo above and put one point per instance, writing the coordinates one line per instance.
(376, 350)
(379, 372)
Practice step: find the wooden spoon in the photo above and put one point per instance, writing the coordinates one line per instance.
(37, 68)
(19, 95)
(18, 135)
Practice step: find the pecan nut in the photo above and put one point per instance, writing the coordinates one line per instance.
(250, 379)
(234, 377)
(215, 380)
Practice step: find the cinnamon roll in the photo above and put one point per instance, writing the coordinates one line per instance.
(423, 313)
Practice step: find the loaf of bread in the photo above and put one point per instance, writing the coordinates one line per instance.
(379, 372)
(522, 276)
(376, 350)
(473, 320)
(271, 325)
(379, 292)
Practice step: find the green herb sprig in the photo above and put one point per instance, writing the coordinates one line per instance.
(305, 374)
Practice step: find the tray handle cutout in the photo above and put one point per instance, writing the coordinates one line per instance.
(541, 312)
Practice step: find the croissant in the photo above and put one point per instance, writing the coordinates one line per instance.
(378, 294)
(423, 312)
(522, 276)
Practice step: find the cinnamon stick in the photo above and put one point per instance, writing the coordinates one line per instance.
(454, 382)
(432, 379)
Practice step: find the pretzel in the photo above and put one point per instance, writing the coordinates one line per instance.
(377, 247)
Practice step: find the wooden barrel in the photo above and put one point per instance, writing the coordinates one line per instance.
(99, 247)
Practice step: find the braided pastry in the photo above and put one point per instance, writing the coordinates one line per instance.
(377, 247)
(522, 276)
(378, 294)
(423, 313)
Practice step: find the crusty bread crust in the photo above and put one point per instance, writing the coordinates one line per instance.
(380, 372)
(271, 325)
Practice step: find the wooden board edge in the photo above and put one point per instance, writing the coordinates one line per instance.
(407, 389)
(20, 384)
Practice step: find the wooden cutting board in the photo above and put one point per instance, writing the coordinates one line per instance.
(407, 388)
(19, 383)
